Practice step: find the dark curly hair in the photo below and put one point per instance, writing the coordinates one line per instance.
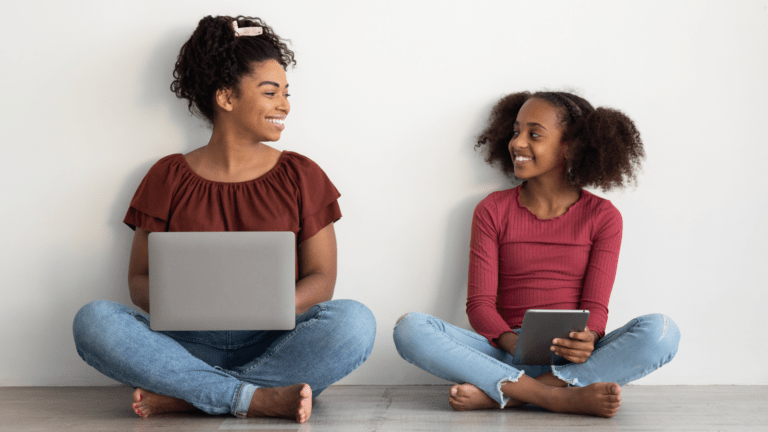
(214, 58)
(605, 150)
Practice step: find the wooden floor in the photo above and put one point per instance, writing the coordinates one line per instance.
(394, 408)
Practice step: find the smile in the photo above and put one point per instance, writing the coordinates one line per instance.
(276, 121)
(523, 158)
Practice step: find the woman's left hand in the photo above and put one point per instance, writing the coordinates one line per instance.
(577, 348)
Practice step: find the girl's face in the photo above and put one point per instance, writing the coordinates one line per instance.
(536, 146)
(262, 104)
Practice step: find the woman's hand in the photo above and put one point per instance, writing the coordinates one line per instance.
(577, 348)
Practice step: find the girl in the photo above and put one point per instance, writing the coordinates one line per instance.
(546, 244)
(232, 72)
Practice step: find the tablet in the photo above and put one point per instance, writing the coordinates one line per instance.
(540, 326)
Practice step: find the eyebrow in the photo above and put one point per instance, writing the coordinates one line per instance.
(272, 83)
(532, 124)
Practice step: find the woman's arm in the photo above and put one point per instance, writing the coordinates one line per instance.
(317, 269)
(138, 270)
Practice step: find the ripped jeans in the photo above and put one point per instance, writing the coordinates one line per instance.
(628, 353)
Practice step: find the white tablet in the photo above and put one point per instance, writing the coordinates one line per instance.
(540, 326)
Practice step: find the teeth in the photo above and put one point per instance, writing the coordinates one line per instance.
(280, 122)
(523, 158)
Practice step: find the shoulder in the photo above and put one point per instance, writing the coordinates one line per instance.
(300, 163)
(601, 211)
(500, 200)
(167, 164)
(496, 206)
(166, 168)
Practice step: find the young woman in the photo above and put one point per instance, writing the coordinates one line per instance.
(232, 72)
(546, 244)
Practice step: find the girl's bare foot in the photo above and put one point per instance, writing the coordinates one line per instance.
(464, 397)
(599, 399)
(293, 402)
(146, 403)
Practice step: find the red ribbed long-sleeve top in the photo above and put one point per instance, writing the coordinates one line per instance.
(519, 262)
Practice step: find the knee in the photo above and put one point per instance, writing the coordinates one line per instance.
(90, 321)
(407, 330)
(662, 334)
(356, 321)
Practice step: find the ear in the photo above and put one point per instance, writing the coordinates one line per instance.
(565, 149)
(225, 98)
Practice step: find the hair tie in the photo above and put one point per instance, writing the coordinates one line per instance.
(246, 31)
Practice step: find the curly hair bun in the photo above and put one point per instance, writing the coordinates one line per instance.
(605, 148)
(214, 57)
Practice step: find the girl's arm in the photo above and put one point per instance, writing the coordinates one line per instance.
(596, 292)
(601, 269)
(317, 269)
(484, 278)
(138, 270)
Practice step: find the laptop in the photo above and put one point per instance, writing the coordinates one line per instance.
(240, 280)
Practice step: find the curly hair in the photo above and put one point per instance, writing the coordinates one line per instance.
(605, 150)
(214, 58)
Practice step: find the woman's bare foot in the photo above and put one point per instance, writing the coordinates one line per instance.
(146, 403)
(293, 402)
(464, 397)
(599, 399)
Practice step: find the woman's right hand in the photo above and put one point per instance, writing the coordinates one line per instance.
(508, 342)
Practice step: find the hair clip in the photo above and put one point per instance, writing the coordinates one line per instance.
(246, 31)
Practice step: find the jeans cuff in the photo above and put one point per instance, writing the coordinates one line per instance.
(244, 397)
(557, 373)
(501, 382)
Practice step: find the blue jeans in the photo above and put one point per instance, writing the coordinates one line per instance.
(218, 371)
(638, 348)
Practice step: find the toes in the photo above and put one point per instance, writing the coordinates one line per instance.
(306, 391)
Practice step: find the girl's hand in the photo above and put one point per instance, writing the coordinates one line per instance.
(577, 348)
(508, 342)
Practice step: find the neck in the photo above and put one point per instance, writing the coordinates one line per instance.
(549, 196)
(549, 191)
(229, 150)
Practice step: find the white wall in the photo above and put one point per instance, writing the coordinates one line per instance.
(387, 98)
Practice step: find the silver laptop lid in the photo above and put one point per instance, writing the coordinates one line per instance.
(240, 280)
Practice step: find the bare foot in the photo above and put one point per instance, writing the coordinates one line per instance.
(293, 402)
(464, 397)
(599, 399)
(146, 403)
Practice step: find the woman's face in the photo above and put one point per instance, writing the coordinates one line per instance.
(536, 146)
(262, 104)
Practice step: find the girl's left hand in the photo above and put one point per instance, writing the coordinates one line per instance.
(577, 348)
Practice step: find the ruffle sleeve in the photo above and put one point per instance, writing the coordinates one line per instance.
(317, 196)
(151, 204)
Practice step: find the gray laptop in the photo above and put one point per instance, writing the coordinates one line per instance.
(241, 280)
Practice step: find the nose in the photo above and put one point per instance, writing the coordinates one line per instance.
(284, 105)
(517, 143)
